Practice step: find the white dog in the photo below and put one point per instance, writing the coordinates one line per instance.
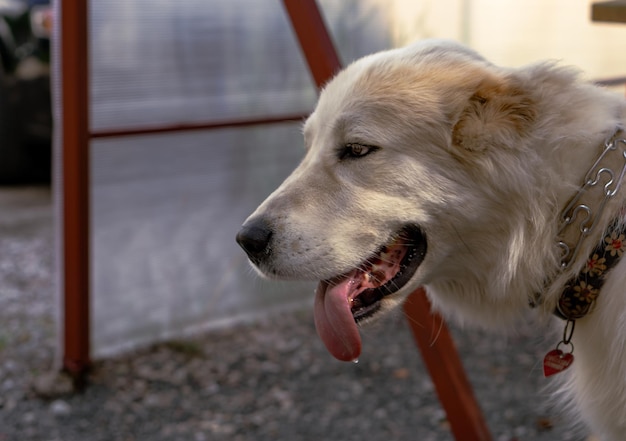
(492, 188)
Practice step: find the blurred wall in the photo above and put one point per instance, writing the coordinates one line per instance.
(515, 32)
(166, 208)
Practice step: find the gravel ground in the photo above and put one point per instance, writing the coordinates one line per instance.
(269, 380)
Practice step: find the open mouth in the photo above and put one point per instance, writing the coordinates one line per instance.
(344, 300)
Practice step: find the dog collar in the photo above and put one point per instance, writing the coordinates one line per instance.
(577, 221)
(599, 179)
(580, 292)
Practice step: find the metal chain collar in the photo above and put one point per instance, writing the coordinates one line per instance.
(588, 216)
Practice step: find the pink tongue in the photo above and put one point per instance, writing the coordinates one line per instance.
(333, 316)
(334, 321)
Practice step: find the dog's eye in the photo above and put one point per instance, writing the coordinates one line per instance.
(352, 150)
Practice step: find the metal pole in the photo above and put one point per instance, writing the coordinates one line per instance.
(314, 39)
(75, 185)
(187, 127)
(446, 370)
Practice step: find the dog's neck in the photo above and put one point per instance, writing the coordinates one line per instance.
(585, 219)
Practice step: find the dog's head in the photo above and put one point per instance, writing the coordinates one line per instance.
(406, 182)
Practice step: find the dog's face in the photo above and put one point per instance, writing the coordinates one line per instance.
(395, 190)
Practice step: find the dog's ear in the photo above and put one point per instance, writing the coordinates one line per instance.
(498, 114)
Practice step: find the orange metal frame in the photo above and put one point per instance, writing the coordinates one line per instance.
(429, 330)
(75, 191)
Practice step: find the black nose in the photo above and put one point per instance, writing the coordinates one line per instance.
(254, 237)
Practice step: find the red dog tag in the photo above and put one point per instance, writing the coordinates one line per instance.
(556, 362)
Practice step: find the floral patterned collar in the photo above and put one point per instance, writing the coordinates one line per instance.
(581, 291)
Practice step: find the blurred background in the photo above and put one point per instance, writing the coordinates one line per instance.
(165, 207)
(25, 110)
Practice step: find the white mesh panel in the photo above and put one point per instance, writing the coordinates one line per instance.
(166, 208)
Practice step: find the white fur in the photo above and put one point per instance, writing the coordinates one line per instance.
(483, 159)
